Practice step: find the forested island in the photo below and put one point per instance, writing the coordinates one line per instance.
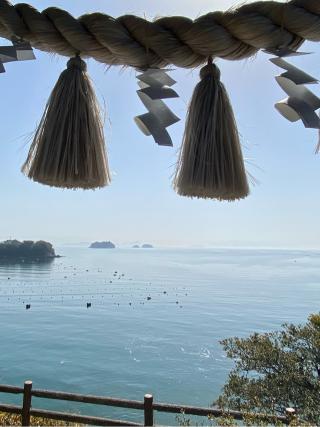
(27, 249)
(102, 245)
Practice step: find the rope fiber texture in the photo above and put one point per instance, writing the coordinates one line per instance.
(133, 41)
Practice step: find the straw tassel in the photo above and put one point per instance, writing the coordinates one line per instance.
(210, 163)
(68, 148)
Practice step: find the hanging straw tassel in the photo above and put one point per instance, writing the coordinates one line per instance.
(68, 149)
(210, 164)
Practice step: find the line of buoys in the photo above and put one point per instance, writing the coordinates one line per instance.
(116, 274)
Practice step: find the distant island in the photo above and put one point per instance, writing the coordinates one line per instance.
(102, 245)
(145, 246)
(28, 249)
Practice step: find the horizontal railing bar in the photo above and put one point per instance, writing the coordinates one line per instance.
(11, 409)
(98, 400)
(192, 410)
(121, 403)
(200, 411)
(83, 419)
(4, 388)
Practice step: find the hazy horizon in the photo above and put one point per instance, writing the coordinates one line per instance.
(161, 245)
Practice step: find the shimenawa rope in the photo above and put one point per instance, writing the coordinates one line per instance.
(69, 152)
(133, 41)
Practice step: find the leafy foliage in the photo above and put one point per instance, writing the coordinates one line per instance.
(274, 371)
(15, 420)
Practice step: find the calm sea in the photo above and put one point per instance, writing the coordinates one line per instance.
(155, 322)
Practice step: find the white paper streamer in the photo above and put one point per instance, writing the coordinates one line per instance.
(301, 103)
(293, 73)
(20, 51)
(154, 86)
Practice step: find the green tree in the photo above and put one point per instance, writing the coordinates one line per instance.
(274, 371)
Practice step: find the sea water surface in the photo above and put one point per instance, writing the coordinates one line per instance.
(155, 320)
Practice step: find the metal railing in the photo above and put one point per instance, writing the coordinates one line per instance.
(148, 406)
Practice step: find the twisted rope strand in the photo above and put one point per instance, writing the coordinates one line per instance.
(133, 41)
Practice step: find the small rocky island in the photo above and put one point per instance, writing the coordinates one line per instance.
(28, 249)
(144, 246)
(102, 245)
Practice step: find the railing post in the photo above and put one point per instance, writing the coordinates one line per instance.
(148, 410)
(290, 415)
(27, 395)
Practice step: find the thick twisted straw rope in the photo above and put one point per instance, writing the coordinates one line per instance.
(133, 41)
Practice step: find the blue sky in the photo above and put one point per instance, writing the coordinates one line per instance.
(140, 204)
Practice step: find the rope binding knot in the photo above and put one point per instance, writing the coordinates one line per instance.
(210, 70)
(77, 62)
